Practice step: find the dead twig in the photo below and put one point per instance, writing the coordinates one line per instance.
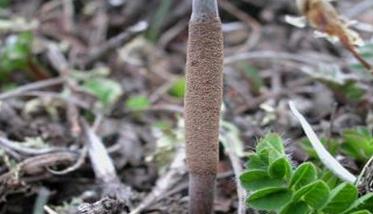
(37, 165)
(115, 42)
(68, 16)
(75, 166)
(103, 167)
(278, 56)
(250, 21)
(60, 64)
(176, 171)
(32, 86)
(359, 8)
(237, 169)
(45, 94)
(6, 143)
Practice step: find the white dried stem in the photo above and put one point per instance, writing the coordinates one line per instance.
(326, 158)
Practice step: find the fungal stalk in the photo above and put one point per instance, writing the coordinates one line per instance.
(204, 83)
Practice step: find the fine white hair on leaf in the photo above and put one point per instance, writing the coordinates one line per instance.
(326, 158)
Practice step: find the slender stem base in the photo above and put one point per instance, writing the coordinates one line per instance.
(201, 199)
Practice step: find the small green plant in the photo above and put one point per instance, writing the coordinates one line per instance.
(98, 83)
(106, 90)
(366, 52)
(16, 53)
(4, 3)
(356, 143)
(256, 81)
(137, 103)
(159, 17)
(276, 186)
(177, 89)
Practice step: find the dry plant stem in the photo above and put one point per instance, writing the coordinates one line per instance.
(115, 42)
(283, 56)
(237, 168)
(31, 86)
(325, 157)
(176, 171)
(39, 164)
(203, 99)
(101, 162)
(26, 151)
(244, 17)
(103, 165)
(323, 16)
(59, 62)
(359, 8)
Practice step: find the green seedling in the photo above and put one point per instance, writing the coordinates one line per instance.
(276, 186)
(15, 54)
(138, 103)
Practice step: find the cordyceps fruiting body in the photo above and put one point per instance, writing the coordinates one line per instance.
(323, 16)
(204, 81)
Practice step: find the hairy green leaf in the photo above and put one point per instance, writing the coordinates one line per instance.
(273, 144)
(361, 212)
(257, 162)
(303, 175)
(341, 198)
(299, 207)
(272, 198)
(315, 194)
(364, 202)
(257, 179)
(280, 168)
(358, 143)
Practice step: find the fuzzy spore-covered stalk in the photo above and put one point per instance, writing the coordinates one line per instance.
(204, 79)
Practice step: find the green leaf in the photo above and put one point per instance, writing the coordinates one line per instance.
(107, 91)
(16, 53)
(303, 175)
(366, 51)
(270, 198)
(341, 198)
(257, 179)
(178, 88)
(351, 90)
(158, 20)
(331, 144)
(361, 212)
(137, 103)
(256, 81)
(358, 143)
(315, 194)
(296, 208)
(264, 155)
(364, 202)
(273, 144)
(329, 178)
(4, 3)
(257, 162)
(280, 168)
(8, 86)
